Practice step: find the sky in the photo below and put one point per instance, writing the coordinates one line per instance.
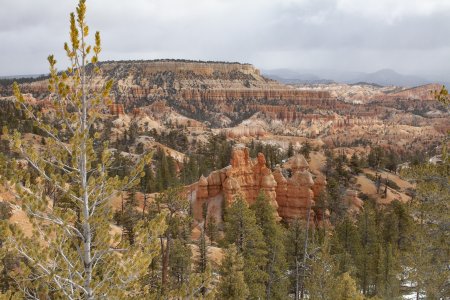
(409, 36)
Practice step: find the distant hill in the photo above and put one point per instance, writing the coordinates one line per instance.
(22, 76)
(384, 77)
(390, 77)
(292, 77)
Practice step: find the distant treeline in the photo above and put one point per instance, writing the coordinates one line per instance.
(9, 81)
(171, 60)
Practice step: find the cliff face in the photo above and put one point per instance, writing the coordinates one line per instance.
(206, 91)
(225, 94)
(292, 196)
(422, 93)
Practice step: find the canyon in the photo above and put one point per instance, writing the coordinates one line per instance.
(234, 99)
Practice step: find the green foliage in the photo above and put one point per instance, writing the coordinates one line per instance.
(376, 157)
(295, 249)
(368, 239)
(273, 232)
(306, 150)
(170, 273)
(355, 164)
(79, 261)
(346, 289)
(217, 152)
(212, 229)
(179, 263)
(345, 245)
(232, 285)
(322, 280)
(272, 153)
(335, 194)
(290, 151)
(5, 210)
(430, 257)
(241, 229)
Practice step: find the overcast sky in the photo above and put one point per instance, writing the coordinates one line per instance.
(409, 36)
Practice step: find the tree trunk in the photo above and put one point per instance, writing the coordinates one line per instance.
(297, 279)
(270, 281)
(165, 261)
(144, 206)
(87, 234)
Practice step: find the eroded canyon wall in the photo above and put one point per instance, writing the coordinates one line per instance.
(292, 196)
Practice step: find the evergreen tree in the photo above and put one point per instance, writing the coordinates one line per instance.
(276, 286)
(290, 151)
(335, 192)
(130, 217)
(78, 261)
(368, 237)
(387, 284)
(203, 250)
(392, 160)
(179, 263)
(212, 229)
(232, 285)
(242, 230)
(345, 245)
(175, 252)
(430, 208)
(376, 158)
(355, 164)
(295, 249)
(322, 278)
(306, 150)
(346, 289)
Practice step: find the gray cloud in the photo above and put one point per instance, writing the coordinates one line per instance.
(410, 36)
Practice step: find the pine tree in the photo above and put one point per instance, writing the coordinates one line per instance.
(175, 252)
(345, 245)
(355, 164)
(295, 253)
(130, 217)
(336, 205)
(232, 284)
(179, 263)
(242, 230)
(306, 150)
(430, 207)
(346, 289)
(276, 286)
(321, 282)
(387, 284)
(290, 151)
(78, 261)
(212, 229)
(203, 259)
(368, 240)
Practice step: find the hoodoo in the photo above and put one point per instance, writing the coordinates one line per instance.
(292, 196)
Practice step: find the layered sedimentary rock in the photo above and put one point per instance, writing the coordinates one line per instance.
(195, 88)
(291, 196)
(243, 178)
(322, 215)
(422, 93)
(116, 109)
(244, 131)
(297, 196)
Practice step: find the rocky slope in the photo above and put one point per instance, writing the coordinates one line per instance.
(236, 98)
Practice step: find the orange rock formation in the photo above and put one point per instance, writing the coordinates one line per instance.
(291, 196)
